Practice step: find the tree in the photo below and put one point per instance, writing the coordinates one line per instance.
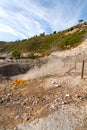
(80, 21)
(54, 32)
(15, 54)
(42, 34)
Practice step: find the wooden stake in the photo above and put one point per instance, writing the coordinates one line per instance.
(82, 73)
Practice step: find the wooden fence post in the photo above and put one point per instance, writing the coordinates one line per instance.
(82, 73)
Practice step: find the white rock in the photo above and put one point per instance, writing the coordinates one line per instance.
(16, 117)
(62, 102)
(52, 106)
(55, 84)
(67, 95)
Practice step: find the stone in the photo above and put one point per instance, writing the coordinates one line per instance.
(2, 128)
(52, 106)
(16, 117)
(62, 102)
(55, 84)
(35, 102)
(7, 100)
(67, 95)
(15, 128)
(1, 101)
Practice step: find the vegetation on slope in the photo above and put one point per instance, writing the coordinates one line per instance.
(45, 44)
(2, 44)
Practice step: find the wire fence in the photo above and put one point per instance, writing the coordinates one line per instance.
(76, 65)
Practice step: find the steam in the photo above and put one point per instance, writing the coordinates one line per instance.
(53, 66)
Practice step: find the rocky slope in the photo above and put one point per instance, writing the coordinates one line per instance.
(50, 96)
(49, 103)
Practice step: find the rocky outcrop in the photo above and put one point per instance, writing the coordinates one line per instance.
(21, 66)
(14, 69)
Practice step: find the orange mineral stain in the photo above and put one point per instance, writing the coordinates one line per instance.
(18, 82)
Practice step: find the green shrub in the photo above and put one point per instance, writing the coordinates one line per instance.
(15, 54)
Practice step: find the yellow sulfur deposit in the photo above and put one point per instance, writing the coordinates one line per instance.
(17, 82)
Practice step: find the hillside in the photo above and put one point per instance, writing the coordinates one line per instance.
(2, 44)
(45, 44)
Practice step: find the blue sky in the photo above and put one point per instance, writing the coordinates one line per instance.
(21, 19)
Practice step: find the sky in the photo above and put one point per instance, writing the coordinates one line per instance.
(22, 19)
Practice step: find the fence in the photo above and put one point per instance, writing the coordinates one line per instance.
(77, 66)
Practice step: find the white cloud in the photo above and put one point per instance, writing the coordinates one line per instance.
(6, 28)
(25, 18)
